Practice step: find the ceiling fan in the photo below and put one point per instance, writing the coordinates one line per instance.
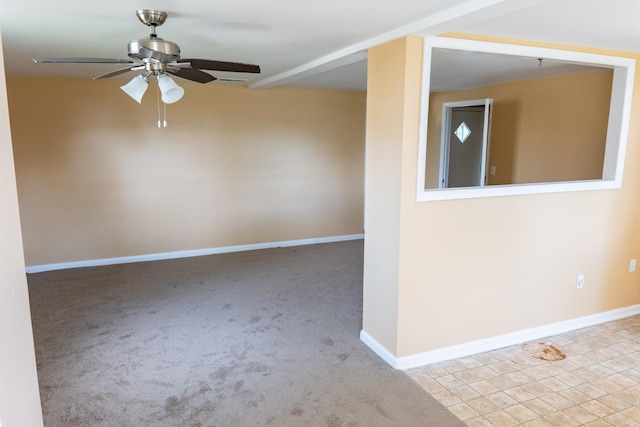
(157, 58)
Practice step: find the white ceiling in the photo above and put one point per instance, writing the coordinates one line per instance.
(299, 44)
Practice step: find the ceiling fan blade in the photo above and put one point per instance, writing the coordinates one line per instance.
(81, 61)
(193, 75)
(117, 72)
(159, 56)
(207, 64)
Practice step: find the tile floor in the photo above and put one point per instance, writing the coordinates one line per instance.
(597, 384)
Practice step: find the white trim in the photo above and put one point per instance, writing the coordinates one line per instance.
(500, 341)
(618, 127)
(378, 349)
(190, 253)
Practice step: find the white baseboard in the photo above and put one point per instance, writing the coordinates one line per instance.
(488, 344)
(190, 253)
(379, 349)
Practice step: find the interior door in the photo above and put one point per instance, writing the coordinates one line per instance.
(465, 143)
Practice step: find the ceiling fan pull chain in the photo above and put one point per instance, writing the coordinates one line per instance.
(165, 115)
(158, 98)
(161, 122)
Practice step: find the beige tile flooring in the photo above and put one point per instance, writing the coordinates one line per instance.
(597, 384)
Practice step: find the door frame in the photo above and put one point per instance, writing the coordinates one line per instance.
(445, 140)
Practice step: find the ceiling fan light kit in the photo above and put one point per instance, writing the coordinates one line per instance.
(158, 58)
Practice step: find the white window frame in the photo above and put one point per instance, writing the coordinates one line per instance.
(617, 130)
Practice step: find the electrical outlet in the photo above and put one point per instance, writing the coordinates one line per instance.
(632, 265)
(580, 281)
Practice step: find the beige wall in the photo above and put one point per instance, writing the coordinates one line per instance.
(384, 156)
(543, 130)
(98, 179)
(19, 395)
(465, 270)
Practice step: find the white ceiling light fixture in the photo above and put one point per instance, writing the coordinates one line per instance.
(136, 88)
(171, 92)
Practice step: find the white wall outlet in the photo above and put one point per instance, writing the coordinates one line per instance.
(493, 170)
(632, 265)
(580, 281)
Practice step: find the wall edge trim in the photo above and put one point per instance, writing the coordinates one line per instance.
(500, 341)
(379, 349)
(188, 253)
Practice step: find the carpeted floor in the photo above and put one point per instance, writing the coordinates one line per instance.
(257, 338)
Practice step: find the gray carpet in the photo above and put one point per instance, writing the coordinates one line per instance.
(259, 338)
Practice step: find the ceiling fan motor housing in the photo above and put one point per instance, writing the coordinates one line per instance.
(156, 44)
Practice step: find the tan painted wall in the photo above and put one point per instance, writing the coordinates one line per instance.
(19, 395)
(384, 153)
(551, 129)
(478, 268)
(98, 179)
